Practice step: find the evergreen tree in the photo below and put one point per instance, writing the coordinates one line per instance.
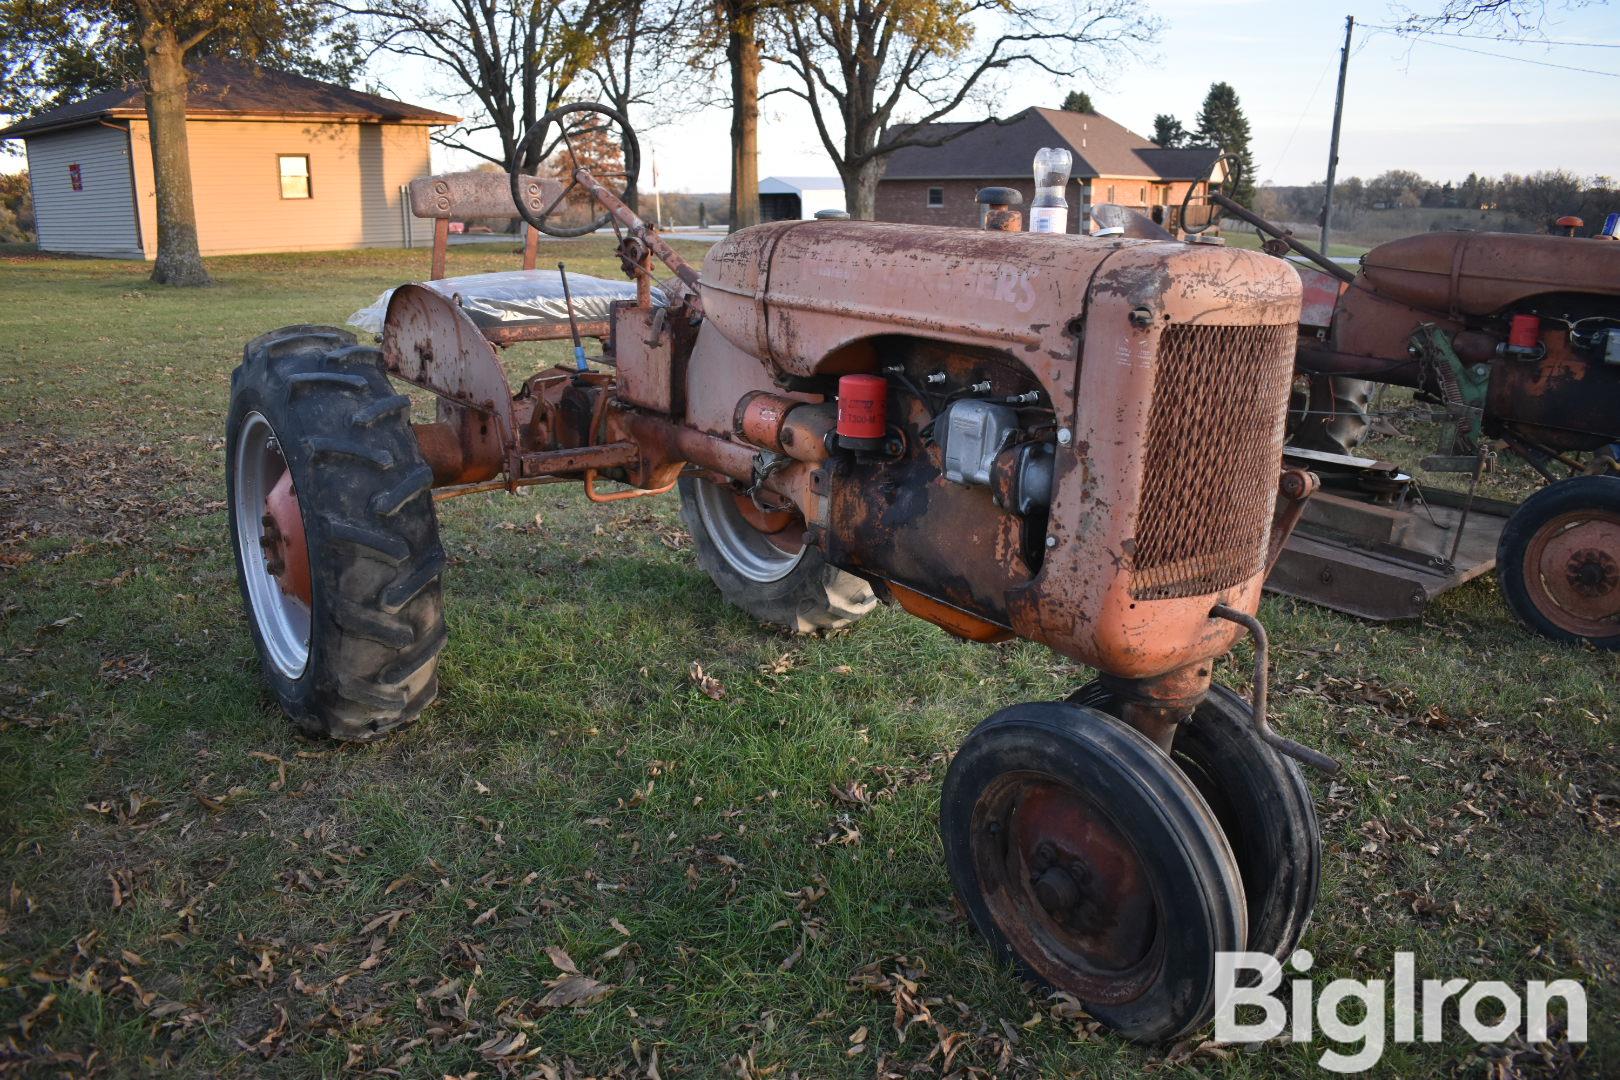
(1078, 101)
(1221, 123)
(1168, 132)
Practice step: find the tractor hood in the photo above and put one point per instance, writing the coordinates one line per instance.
(795, 293)
(1482, 273)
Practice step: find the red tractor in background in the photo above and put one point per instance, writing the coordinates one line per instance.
(1516, 337)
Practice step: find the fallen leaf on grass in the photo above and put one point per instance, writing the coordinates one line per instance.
(707, 683)
(564, 962)
(35, 1013)
(573, 990)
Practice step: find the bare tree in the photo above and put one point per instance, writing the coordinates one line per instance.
(510, 60)
(859, 64)
(1502, 18)
(642, 62)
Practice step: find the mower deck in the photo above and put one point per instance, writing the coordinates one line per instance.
(1372, 543)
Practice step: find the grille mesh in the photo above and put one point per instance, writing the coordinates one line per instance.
(1214, 449)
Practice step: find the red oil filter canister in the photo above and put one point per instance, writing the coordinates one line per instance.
(1524, 332)
(863, 413)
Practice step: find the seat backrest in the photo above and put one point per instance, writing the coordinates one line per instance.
(477, 194)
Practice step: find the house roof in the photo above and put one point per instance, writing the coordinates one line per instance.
(223, 89)
(996, 151)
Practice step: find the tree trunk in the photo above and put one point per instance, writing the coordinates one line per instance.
(860, 188)
(178, 260)
(742, 54)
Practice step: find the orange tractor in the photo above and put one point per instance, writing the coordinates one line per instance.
(1068, 440)
(1515, 339)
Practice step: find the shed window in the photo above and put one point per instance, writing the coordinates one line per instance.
(294, 175)
(1141, 197)
(936, 196)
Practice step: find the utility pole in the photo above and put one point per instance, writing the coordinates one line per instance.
(658, 201)
(1333, 146)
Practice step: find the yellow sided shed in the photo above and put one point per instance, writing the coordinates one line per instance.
(279, 162)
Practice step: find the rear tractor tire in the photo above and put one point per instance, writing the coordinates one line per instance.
(336, 541)
(770, 575)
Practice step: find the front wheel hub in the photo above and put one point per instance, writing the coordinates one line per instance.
(1057, 891)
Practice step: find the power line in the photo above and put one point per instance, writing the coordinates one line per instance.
(1308, 103)
(1518, 59)
(1408, 32)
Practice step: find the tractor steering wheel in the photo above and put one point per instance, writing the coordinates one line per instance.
(583, 129)
(1234, 170)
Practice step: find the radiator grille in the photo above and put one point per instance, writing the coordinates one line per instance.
(1214, 450)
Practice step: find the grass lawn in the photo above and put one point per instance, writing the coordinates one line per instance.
(1246, 238)
(755, 881)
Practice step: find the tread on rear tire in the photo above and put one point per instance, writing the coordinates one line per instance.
(376, 621)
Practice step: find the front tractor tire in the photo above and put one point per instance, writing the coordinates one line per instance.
(1558, 561)
(336, 541)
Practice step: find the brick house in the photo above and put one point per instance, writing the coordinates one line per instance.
(935, 185)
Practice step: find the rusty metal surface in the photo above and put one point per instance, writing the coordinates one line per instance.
(429, 341)
(1482, 273)
(1158, 706)
(650, 349)
(1384, 563)
(760, 417)
(579, 458)
(1258, 709)
(477, 194)
(1081, 602)
(1066, 887)
(1321, 297)
(1563, 401)
(1571, 573)
(1210, 463)
(286, 548)
(546, 330)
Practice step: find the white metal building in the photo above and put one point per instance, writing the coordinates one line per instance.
(790, 198)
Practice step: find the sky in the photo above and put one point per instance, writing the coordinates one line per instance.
(1424, 105)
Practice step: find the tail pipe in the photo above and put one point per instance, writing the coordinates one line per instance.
(1303, 754)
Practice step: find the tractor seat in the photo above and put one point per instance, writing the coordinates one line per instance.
(513, 299)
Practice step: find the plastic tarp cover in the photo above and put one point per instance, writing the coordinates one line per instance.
(516, 296)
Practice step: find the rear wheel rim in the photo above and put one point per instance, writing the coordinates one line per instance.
(750, 553)
(1572, 572)
(283, 621)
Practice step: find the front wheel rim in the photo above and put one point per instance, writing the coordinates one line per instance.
(283, 622)
(749, 552)
(1066, 888)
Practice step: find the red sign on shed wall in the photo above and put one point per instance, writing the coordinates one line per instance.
(75, 177)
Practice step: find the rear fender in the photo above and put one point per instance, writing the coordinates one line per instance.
(430, 342)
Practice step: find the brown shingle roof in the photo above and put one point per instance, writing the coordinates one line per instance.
(1100, 147)
(222, 88)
